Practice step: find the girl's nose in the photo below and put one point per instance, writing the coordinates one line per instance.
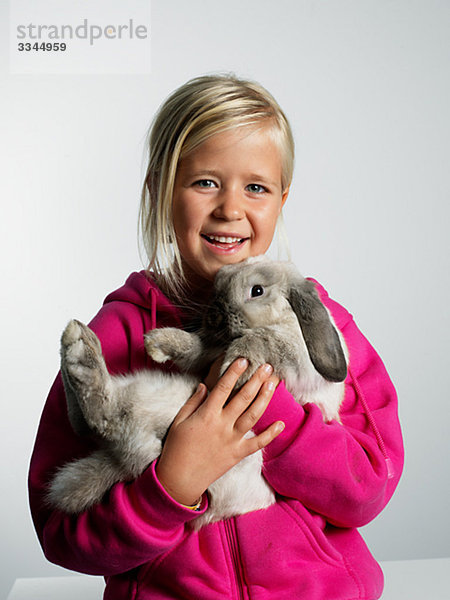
(229, 206)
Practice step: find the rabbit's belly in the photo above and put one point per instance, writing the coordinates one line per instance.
(242, 489)
(156, 398)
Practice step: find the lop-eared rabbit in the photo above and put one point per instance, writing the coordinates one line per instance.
(260, 309)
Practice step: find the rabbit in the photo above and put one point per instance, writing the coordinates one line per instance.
(260, 309)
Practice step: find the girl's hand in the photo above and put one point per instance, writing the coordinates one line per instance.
(206, 438)
(214, 373)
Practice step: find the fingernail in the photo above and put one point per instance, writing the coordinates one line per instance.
(243, 362)
(268, 369)
(280, 426)
(270, 386)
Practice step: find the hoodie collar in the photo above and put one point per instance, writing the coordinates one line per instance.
(140, 289)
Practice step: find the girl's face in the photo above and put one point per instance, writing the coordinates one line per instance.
(226, 201)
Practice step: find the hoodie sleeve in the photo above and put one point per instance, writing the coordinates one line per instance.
(347, 473)
(137, 521)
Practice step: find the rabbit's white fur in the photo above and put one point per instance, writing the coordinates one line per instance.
(283, 322)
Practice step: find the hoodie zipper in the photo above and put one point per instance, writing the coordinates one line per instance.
(233, 547)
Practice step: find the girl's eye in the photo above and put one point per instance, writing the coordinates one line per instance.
(257, 290)
(255, 188)
(205, 183)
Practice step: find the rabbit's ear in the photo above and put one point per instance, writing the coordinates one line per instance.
(321, 338)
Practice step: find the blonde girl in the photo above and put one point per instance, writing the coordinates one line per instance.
(221, 157)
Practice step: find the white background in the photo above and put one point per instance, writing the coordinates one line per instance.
(366, 87)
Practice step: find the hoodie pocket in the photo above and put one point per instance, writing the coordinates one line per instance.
(286, 554)
(312, 528)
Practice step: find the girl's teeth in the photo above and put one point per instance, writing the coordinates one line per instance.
(224, 240)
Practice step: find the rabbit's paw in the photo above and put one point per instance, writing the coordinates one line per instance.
(82, 365)
(169, 343)
(160, 344)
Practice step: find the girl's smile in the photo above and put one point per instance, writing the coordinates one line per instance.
(226, 201)
(223, 244)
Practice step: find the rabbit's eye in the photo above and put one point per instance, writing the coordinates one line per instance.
(257, 290)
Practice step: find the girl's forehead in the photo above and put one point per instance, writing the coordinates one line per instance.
(238, 137)
(247, 148)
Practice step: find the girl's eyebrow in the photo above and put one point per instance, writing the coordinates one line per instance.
(203, 173)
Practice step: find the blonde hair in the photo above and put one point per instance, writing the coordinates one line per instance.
(199, 109)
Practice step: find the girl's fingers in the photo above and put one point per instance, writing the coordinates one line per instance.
(251, 416)
(193, 403)
(262, 440)
(223, 388)
(214, 373)
(246, 396)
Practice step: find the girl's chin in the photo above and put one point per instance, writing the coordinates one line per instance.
(204, 276)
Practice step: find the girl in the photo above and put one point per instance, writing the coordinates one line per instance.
(221, 162)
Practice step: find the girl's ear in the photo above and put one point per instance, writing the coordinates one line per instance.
(284, 196)
(321, 338)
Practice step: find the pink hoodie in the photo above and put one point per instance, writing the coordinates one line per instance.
(329, 479)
